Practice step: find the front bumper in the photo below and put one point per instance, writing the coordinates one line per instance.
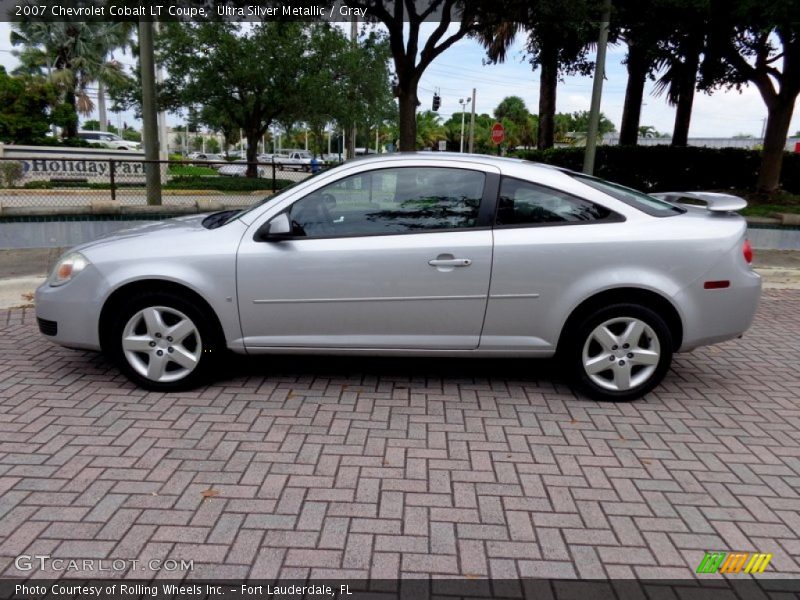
(71, 312)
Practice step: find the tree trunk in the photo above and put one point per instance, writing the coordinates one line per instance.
(634, 92)
(686, 90)
(71, 130)
(253, 136)
(778, 121)
(408, 118)
(101, 106)
(548, 82)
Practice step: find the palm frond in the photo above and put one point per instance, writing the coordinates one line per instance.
(499, 39)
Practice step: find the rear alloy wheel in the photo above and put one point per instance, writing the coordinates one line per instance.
(621, 352)
(163, 342)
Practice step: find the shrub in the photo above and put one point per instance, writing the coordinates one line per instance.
(11, 172)
(664, 168)
(38, 185)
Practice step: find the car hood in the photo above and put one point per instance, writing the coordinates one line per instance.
(154, 233)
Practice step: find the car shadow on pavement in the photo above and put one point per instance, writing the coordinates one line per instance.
(546, 372)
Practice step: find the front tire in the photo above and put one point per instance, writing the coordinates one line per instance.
(163, 342)
(619, 353)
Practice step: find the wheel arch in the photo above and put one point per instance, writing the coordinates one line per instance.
(626, 295)
(120, 294)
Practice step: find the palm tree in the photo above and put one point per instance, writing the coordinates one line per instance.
(72, 55)
(560, 34)
(681, 63)
(429, 129)
(118, 36)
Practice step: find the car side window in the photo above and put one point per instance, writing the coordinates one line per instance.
(526, 203)
(391, 201)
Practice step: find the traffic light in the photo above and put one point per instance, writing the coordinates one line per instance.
(437, 102)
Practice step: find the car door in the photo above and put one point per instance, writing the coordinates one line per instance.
(545, 239)
(387, 258)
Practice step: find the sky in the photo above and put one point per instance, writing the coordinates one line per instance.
(461, 67)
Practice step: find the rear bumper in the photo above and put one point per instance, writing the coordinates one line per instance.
(712, 316)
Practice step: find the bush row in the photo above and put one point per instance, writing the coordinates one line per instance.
(664, 168)
(221, 184)
(225, 184)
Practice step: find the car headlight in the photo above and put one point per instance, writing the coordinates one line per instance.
(67, 267)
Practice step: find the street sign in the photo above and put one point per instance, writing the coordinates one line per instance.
(498, 133)
(442, 145)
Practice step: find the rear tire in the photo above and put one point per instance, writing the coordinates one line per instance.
(619, 352)
(163, 342)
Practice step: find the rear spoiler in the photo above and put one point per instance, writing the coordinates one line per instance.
(715, 202)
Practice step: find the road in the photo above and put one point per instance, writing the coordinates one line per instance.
(299, 467)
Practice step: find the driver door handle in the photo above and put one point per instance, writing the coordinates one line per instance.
(450, 262)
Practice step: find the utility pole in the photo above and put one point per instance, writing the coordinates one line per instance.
(152, 169)
(463, 102)
(597, 91)
(163, 137)
(354, 41)
(472, 125)
(101, 107)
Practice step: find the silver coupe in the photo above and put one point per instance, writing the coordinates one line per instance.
(428, 254)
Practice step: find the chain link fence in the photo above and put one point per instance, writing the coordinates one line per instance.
(45, 182)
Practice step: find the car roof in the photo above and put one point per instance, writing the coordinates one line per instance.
(503, 163)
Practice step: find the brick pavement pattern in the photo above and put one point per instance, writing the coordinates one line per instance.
(299, 467)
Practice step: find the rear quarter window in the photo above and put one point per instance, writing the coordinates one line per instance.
(639, 200)
(523, 203)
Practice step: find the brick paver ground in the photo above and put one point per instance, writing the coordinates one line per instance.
(349, 467)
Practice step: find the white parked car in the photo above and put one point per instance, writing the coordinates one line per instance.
(297, 160)
(238, 168)
(109, 140)
(215, 160)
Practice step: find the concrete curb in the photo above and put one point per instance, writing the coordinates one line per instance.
(18, 291)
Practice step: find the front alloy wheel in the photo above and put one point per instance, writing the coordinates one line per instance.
(162, 344)
(163, 341)
(620, 352)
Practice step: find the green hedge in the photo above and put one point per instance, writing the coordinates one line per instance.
(225, 184)
(220, 184)
(664, 168)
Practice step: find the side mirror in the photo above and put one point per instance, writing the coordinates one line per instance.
(277, 228)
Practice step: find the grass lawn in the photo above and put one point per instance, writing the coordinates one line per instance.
(760, 206)
(192, 171)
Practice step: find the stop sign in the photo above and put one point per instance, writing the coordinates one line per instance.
(498, 133)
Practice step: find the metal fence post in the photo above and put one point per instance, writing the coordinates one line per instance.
(112, 167)
(273, 175)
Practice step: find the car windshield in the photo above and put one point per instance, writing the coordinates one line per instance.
(644, 202)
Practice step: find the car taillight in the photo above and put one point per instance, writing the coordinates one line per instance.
(747, 250)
